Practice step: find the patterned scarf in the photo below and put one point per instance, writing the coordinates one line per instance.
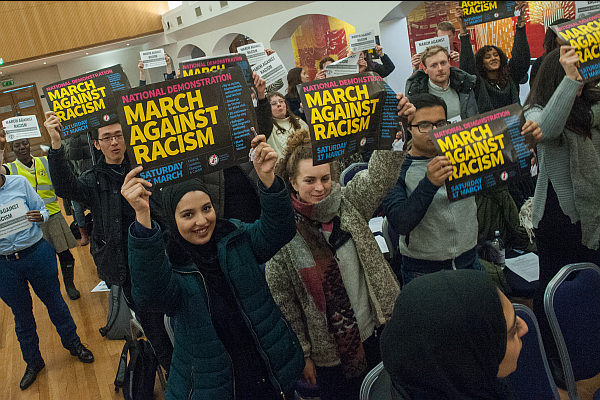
(324, 280)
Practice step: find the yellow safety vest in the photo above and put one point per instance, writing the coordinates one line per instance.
(41, 181)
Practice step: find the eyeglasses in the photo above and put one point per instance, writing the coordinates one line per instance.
(275, 102)
(109, 139)
(426, 126)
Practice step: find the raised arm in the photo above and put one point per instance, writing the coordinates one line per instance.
(387, 66)
(467, 58)
(264, 118)
(366, 190)
(553, 117)
(66, 185)
(521, 56)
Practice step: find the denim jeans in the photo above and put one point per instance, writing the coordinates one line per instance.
(39, 269)
(413, 268)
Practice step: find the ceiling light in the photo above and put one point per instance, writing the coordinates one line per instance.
(87, 54)
(44, 62)
(127, 44)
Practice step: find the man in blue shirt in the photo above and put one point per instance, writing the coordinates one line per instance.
(26, 258)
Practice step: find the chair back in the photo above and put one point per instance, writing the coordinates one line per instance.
(350, 171)
(533, 379)
(377, 385)
(572, 305)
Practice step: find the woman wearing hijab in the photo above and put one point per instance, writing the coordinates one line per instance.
(451, 336)
(231, 341)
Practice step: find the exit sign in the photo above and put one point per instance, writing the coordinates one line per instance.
(8, 82)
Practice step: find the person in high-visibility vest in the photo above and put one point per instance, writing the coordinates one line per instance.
(55, 230)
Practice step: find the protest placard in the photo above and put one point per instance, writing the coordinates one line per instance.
(585, 8)
(443, 41)
(361, 41)
(484, 150)
(480, 12)
(207, 64)
(255, 52)
(13, 218)
(345, 66)
(85, 102)
(584, 35)
(22, 127)
(182, 128)
(348, 114)
(271, 69)
(153, 58)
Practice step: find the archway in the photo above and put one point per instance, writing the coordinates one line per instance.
(230, 42)
(190, 51)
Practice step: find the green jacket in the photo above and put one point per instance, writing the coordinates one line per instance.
(201, 368)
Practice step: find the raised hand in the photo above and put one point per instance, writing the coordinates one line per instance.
(405, 107)
(260, 84)
(54, 127)
(379, 50)
(569, 61)
(264, 160)
(135, 191)
(438, 170)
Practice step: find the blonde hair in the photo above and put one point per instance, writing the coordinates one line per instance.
(432, 51)
(299, 148)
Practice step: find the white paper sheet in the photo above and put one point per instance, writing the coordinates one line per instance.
(13, 218)
(362, 41)
(526, 266)
(21, 127)
(422, 45)
(255, 52)
(271, 70)
(345, 66)
(376, 224)
(101, 287)
(382, 244)
(153, 58)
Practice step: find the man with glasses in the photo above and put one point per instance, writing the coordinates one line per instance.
(435, 234)
(100, 188)
(55, 230)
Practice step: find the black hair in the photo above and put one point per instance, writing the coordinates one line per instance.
(424, 100)
(504, 71)
(324, 60)
(549, 43)
(294, 78)
(549, 76)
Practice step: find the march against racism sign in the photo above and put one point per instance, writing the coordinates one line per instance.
(21, 127)
(207, 64)
(584, 35)
(484, 150)
(349, 113)
(181, 128)
(83, 102)
(479, 12)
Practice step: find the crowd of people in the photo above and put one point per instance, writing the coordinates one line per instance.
(269, 269)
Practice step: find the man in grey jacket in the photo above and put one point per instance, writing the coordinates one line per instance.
(435, 233)
(453, 85)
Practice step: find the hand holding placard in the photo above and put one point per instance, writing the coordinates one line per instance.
(264, 160)
(54, 127)
(135, 191)
(438, 170)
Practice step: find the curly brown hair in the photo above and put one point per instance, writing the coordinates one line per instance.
(299, 148)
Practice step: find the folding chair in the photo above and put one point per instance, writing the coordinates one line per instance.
(572, 305)
(377, 385)
(350, 171)
(533, 379)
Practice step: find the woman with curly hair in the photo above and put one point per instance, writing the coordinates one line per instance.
(331, 281)
(498, 78)
(285, 122)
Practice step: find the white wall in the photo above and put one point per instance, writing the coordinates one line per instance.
(41, 77)
(394, 40)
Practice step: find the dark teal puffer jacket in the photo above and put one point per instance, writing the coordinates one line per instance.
(201, 367)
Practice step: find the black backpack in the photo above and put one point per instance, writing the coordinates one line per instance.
(119, 315)
(136, 377)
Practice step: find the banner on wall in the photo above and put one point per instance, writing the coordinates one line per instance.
(208, 64)
(21, 127)
(480, 12)
(585, 8)
(484, 151)
(190, 126)
(86, 101)
(361, 41)
(443, 41)
(348, 114)
(582, 34)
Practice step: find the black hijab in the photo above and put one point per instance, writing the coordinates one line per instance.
(180, 250)
(446, 338)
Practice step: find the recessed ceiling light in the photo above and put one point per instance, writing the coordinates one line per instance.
(87, 54)
(44, 62)
(127, 44)
(0, 72)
